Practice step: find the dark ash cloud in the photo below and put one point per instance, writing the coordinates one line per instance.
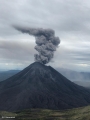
(45, 40)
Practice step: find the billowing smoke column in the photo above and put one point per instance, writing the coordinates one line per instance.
(45, 40)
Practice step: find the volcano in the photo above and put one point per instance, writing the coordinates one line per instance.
(40, 86)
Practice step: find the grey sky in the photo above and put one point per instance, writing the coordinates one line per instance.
(69, 18)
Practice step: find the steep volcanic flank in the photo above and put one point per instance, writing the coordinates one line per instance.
(40, 86)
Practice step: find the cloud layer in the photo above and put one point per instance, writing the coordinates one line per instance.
(70, 20)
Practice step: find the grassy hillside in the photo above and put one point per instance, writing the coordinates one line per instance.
(82, 113)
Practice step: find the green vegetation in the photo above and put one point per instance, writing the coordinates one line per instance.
(82, 113)
(4, 114)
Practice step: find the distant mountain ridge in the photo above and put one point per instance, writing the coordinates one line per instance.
(74, 75)
(40, 86)
(80, 78)
(6, 74)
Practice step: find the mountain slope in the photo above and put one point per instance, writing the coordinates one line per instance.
(74, 75)
(40, 86)
(6, 74)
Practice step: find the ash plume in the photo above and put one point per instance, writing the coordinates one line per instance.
(45, 40)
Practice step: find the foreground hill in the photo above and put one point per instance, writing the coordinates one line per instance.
(82, 113)
(40, 86)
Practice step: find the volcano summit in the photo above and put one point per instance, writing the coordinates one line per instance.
(40, 86)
